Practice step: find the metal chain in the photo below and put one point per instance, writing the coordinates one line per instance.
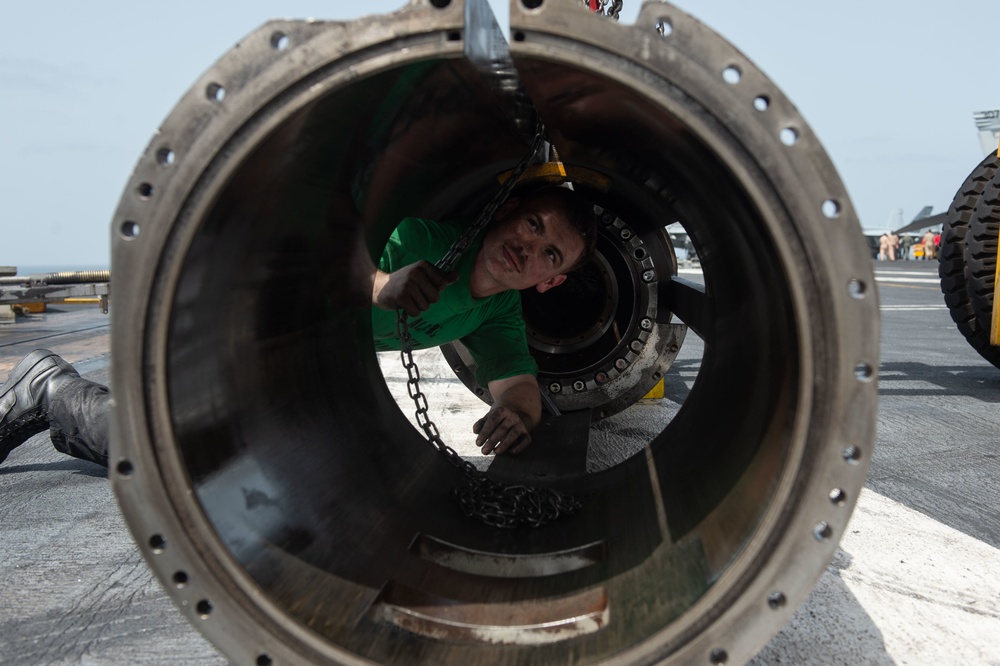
(494, 503)
(612, 8)
(451, 257)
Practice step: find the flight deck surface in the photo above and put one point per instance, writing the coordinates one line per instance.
(916, 578)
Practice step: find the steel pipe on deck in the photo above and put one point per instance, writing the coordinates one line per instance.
(270, 480)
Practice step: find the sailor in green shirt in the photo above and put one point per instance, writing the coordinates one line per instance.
(534, 240)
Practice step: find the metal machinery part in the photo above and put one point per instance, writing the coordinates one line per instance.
(270, 480)
(56, 287)
(605, 338)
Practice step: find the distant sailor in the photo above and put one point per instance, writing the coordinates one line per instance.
(928, 242)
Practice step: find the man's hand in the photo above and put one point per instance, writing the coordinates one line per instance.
(413, 288)
(501, 430)
(516, 411)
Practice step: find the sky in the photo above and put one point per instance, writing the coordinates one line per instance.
(889, 86)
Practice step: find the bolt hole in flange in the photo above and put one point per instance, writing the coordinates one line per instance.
(215, 92)
(165, 157)
(271, 445)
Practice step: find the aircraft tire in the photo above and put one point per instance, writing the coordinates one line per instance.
(953, 268)
(981, 253)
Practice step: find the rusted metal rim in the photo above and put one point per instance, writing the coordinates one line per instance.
(263, 467)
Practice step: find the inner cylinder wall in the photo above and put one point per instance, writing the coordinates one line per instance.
(317, 484)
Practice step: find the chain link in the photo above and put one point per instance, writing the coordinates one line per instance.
(494, 503)
(612, 8)
(458, 248)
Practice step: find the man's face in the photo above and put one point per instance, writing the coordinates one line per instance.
(530, 245)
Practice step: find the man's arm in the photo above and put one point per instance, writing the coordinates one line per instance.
(413, 288)
(517, 409)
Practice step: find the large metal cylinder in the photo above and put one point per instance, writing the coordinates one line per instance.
(270, 480)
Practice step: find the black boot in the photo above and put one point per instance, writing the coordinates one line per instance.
(25, 398)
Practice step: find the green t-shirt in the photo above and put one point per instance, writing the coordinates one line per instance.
(491, 328)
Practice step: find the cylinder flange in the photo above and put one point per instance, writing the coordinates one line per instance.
(260, 461)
